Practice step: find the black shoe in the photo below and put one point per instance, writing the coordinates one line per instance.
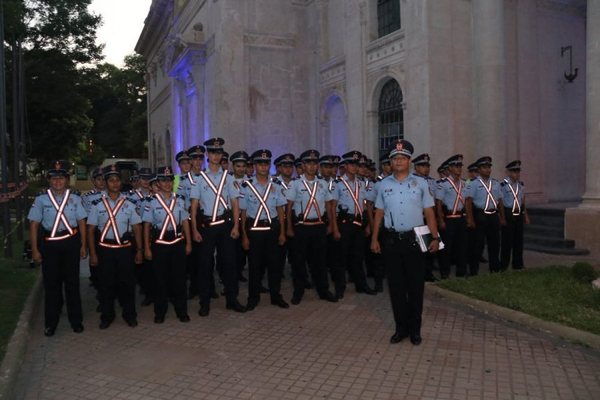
(159, 319)
(379, 287)
(297, 298)
(328, 296)
(184, 318)
(242, 278)
(132, 322)
(398, 337)
(280, 303)
(49, 332)
(308, 285)
(236, 306)
(214, 294)
(78, 328)
(263, 289)
(339, 295)
(105, 324)
(146, 302)
(251, 305)
(416, 339)
(204, 310)
(367, 290)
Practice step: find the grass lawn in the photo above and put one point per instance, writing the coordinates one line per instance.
(549, 293)
(16, 280)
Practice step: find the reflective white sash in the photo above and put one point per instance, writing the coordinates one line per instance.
(354, 195)
(312, 202)
(111, 223)
(263, 206)
(60, 216)
(139, 194)
(191, 178)
(489, 197)
(169, 219)
(218, 196)
(516, 208)
(459, 198)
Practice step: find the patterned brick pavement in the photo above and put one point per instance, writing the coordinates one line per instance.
(316, 350)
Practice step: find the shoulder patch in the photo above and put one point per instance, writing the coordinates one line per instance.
(96, 201)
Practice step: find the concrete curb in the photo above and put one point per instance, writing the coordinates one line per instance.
(571, 334)
(15, 351)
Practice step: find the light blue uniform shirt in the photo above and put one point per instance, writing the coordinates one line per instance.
(508, 199)
(206, 196)
(343, 197)
(126, 216)
(137, 197)
(298, 193)
(250, 203)
(88, 198)
(403, 201)
(43, 211)
(185, 187)
(430, 181)
(447, 195)
(155, 213)
(479, 194)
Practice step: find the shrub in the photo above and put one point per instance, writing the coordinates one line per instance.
(583, 272)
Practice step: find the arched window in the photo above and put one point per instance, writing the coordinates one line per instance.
(388, 16)
(391, 115)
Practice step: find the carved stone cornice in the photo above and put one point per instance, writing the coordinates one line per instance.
(385, 47)
(333, 70)
(254, 39)
(188, 56)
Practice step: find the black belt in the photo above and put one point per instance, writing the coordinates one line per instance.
(262, 222)
(486, 212)
(401, 236)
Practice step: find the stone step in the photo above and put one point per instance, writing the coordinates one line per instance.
(555, 250)
(543, 230)
(549, 241)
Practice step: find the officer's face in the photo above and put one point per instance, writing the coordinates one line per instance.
(363, 170)
(386, 168)
(58, 183)
(214, 157)
(225, 164)
(299, 170)
(310, 168)
(99, 183)
(287, 170)
(351, 168)
(185, 166)
(165, 185)
(113, 184)
(485, 171)
(400, 164)
(455, 169)
(327, 170)
(249, 169)
(423, 169)
(144, 183)
(197, 162)
(515, 175)
(239, 169)
(262, 168)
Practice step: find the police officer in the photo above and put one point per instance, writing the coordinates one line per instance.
(308, 222)
(225, 161)
(513, 200)
(327, 173)
(284, 165)
(249, 169)
(86, 200)
(402, 200)
(485, 214)
(299, 166)
(350, 227)
(185, 166)
(215, 224)
(451, 214)
(239, 159)
(167, 241)
(112, 225)
(385, 167)
(262, 208)
(58, 241)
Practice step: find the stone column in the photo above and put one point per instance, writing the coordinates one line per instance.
(582, 224)
(489, 65)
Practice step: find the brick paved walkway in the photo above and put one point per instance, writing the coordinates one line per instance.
(316, 350)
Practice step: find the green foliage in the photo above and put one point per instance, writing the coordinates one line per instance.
(583, 272)
(550, 293)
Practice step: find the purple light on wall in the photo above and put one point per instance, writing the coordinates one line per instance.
(337, 126)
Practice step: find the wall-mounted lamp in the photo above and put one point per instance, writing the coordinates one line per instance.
(570, 77)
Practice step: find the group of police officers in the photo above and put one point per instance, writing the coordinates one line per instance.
(331, 217)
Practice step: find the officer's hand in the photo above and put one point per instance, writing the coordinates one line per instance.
(336, 234)
(36, 256)
(139, 258)
(196, 236)
(93, 260)
(329, 230)
(442, 225)
(83, 252)
(148, 254)
(470, 224)
(245, 243)
(188, 248)
(367, 231)
(290, 232)
(281, 240)
(235, 233)
(434, 246)
(375, 247)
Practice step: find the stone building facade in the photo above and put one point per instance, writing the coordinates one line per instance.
(477, 77)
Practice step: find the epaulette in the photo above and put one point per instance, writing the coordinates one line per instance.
(245, 184)
(178, 196)
(440, 180)
(76, 192)
(149, 198)
(98, 200)
(276, 180)
(129, 200)
(319, 176)
(503, 183)
(229, 173)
